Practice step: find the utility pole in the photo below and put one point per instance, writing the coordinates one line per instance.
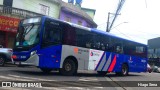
(108, 21)
(110, 24)
(107, 29)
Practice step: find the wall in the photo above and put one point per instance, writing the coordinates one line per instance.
(34, 5)
(74, 19)
(154, 43)
(90, 12)
(1, 2)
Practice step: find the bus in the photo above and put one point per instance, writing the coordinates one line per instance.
(51, 44)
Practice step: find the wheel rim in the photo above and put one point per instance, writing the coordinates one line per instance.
(124, 70)
(68, 67)
(1, 61)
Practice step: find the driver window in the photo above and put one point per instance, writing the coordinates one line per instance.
(52, 33)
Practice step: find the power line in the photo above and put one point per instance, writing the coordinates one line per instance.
(146, 3)
(148, 33)
(142, 37)
(123, 34)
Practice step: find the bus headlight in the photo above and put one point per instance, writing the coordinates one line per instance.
(33, 52)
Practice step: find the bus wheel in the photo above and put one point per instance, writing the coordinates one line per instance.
(124, 70)
(69, 68)
(46, 70)
(103, 73)
(2, 61)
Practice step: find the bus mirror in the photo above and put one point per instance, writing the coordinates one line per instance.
(1, 46)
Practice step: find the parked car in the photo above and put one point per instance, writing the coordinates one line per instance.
(5, 55)
(156, 69)
(149, 69)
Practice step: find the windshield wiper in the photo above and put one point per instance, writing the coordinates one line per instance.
(25, 33)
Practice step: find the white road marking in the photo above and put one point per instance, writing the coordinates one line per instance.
(88, 79)
(13, 78)
(31, 78)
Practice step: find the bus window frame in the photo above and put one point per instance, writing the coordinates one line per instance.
(46, 44)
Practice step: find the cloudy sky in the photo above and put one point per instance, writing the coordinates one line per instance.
(142, 17)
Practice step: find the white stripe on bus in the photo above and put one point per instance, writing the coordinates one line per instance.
(107, 64)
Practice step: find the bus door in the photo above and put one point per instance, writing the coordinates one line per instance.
(51, 45)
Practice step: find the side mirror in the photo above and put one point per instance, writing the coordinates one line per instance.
(1, 46)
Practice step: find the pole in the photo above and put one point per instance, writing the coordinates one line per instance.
(107, 29)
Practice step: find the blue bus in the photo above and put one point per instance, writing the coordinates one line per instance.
(50, 44)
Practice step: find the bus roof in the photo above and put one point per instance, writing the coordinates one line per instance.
(72, 24)
(92, 29)
(112, 35)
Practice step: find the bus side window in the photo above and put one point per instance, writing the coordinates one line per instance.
(69, 37)
(119, 49)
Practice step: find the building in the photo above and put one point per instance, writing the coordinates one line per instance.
(45, 7)
(90, 12)
(74, 14)
(12, 11)
(154, 51)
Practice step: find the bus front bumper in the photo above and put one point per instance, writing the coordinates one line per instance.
(32, 60)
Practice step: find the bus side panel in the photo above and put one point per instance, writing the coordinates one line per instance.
(106, 64)
(115, 62)
(141, 64)
(135, 64)
(81, 55)
(110, 63)
(50, 57)
(120, 59)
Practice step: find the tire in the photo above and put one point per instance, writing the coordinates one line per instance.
(46, 70)
(19, 65)
(102, 73)
(69, 68)
(2, 60)
(124, 70)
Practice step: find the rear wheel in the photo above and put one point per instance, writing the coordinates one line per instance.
(69, 68)
(103, 73)
(2, 60)
(124, 70)
(46, 70)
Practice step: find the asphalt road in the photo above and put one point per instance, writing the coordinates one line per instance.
(84, 80)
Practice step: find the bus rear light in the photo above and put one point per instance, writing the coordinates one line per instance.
(14, 56)
(56, 60)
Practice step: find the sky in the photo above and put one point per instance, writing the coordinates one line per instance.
(138, 19)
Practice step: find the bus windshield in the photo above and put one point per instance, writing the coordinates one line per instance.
(28, 34)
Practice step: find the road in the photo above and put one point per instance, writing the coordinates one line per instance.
(84, 80)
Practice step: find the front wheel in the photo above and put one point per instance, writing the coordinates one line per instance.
(2, 61)
(69, 68)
